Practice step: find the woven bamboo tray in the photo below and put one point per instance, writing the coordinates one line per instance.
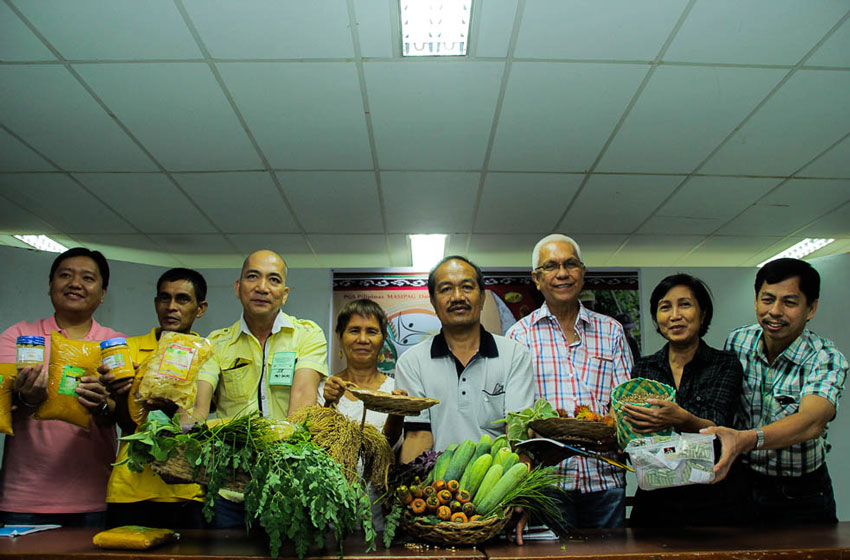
(597, 435)
(177, 470)
(401, 405)
(453, 534)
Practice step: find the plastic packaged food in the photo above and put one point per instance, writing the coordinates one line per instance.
(171, 371)
(115, 354)
(8, 372)
(30, 351)
(70, 360)
(677, 460)
(134, 537)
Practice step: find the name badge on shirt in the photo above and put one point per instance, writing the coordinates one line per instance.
(282, 369)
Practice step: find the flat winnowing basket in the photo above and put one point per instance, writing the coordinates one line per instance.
(634, 388)
(596, 435)
(402, 405)
(177, 470)
(447, 533)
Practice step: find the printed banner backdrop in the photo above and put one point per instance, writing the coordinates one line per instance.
(511, 295)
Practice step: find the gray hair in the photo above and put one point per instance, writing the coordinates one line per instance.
(535, 254)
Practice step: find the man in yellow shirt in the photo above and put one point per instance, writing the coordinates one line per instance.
(268, 360)
(144, 498)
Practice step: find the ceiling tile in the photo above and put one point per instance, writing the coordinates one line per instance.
(375, 28)
(835, 51)
(334, 202)
(303, 115)
(432, 115)
(177, 111)
(834, 163)
(292, 246)
(14, 218)
(14, 156)
(836, 224)
(113, 30)
(596, 249)
(641, 249)
(727, 251)
(524, 202)
(187, 244)
(62, 203)
(399, 250)
(456, 244)
(753, 32)
(496, 250)
(790, 207)
(668, 225)
(18, 42)
(128, 248)
(350, 251)
(273, 29)
(800, 121)
(617, 203)
(49, 109)
(685, 111)
(130, 194)
(419, 202)
(716, 197)
(495, 21)
(594, 29)
(261, 207)
(556, 117)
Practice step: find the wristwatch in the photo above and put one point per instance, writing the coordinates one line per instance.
(759, 439)
(103, 409)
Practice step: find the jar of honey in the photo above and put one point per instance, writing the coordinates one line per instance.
(30, 351)
(115, 355)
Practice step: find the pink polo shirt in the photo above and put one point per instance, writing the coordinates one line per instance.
(51, 466)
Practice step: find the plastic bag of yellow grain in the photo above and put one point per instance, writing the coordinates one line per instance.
(70, 360)
(134, 537)
(171, 371)
(8, 372)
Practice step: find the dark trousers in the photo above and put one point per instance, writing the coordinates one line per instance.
(792, 500)
(162, 515)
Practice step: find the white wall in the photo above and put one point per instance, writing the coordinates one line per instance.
(129, 308)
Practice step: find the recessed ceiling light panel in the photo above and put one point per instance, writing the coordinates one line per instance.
(42, 243)
(800, 250)
(434, 27)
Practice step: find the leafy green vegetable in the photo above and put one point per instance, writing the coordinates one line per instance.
(518, 421)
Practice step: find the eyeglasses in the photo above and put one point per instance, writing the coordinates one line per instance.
(552, 267)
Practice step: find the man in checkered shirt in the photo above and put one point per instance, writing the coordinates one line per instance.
(793, 379)
(579, 357)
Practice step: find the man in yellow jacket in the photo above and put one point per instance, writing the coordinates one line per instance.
(144, 498)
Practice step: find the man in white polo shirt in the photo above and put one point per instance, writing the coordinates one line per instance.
(478, 377)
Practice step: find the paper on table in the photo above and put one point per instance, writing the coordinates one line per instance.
(20, 530)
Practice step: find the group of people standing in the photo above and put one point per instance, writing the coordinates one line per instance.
(767, 396)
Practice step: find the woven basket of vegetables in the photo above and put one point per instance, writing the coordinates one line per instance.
(636, 392)
(178, 470)
(456, 533)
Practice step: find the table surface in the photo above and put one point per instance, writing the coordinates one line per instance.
(811, 542)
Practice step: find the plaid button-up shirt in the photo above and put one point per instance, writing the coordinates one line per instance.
(582, 373)
(811, 365)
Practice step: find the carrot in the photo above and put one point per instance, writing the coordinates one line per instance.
(474, 518)
(431, 504)
(404, 495)
(463, 496)
(444, 513)
(429, 491)
(452, 486)
(416, 491)
(417, 506)
(439, 485)
(445, 497)
(459, 517)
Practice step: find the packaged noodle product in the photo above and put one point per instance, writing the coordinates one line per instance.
(134, 537)
(8, 372)
(171, 371)
(138, 413)
(70, 360)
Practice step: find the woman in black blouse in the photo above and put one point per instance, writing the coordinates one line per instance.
(708, 391)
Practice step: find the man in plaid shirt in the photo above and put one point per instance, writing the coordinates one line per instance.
(793, 379)
(579, 357)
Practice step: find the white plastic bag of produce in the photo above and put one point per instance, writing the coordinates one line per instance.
(677, 460)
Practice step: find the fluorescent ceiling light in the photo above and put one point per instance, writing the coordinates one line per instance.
(42, 243)
(434, 27)
(800, 250)
(427, 250)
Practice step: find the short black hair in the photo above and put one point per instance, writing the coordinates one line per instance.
(783, 269)
(193, 276)
(479, 278)
(365, 308)
(96, 256)
(697, 287)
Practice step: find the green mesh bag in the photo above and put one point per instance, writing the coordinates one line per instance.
(619, 398)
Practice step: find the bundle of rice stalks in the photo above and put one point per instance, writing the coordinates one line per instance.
(343, 440)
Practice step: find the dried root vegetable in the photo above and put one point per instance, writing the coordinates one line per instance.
(70, 360)
(171, 371)
(341, 438)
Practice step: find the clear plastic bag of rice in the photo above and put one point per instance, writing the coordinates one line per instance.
(171, 372)
(677, 460)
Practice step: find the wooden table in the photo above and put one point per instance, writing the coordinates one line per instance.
(811, 543)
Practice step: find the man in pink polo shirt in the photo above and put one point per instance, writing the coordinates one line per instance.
(55, 472)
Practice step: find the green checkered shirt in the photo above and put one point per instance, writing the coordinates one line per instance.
(811, 365)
